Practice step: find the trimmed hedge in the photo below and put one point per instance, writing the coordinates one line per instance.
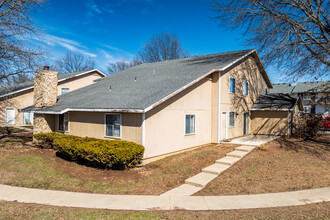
(114, 154)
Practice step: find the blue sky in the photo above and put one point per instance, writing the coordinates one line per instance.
(112, 30)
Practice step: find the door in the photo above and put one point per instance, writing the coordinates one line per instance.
(224, 126)
(10, 116)
(245, 123)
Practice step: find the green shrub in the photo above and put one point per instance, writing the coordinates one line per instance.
(114, 154)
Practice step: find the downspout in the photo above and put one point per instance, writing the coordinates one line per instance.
(288, 130)
(143, 129)
(219, 108)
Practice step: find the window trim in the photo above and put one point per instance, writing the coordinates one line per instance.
(14, 115)
(188, 134)
(247, 88)
(231, 126)
(105, 126)
(58, 124)
(234, 85)
(66, 92)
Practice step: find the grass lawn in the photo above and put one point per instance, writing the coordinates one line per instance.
(281, 165)
(14, 210)
(26, 166)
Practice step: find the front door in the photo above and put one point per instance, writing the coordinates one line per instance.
(224, 125)
(245, 123)
(10, 116)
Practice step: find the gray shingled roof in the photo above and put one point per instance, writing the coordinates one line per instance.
(275, 102)
(318, 86)
(25, 85)
(154, 82)
(285, 88)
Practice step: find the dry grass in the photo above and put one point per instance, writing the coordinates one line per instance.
(281, 165)
(14, 210)
(40, 168)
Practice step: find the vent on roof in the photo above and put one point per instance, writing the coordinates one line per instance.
(110, 88)
(135, 79)
(154, 72)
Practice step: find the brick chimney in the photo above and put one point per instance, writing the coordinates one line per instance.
(45, 95)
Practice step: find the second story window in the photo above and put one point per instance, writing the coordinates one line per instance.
(64, 91)
(246, 88)
(232, 88)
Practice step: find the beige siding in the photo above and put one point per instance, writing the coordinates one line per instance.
(269, 122)
(92, 124)
(165, 124)
(24, 99)
(246, 71)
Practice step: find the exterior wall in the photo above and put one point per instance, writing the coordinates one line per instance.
(92, 124)
(25, 99)
(269, 122)
(246, 71)
(165, 124)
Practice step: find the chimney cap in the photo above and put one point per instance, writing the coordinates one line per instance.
(45, 67)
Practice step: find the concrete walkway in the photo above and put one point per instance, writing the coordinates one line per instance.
(255, 140)
(199, 181)
(131, 202)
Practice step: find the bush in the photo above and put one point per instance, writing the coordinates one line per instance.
(114, 154)
(309, 126)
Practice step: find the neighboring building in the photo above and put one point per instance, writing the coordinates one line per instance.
(166, 106)
(284, 88)
(315, 96)
(15, 98)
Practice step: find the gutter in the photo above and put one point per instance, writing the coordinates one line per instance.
(85, 110)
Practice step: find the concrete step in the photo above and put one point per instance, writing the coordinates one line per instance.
(215, 169)
(183, 190)
(245, 148)
(201, 179)
(236, 153)
(228, 160)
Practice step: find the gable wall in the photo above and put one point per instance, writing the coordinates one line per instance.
(25, 99)
(245, 71)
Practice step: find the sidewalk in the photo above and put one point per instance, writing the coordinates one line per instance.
(137, 202)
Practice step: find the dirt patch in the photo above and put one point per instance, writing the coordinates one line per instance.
(281, 165)
(40, 168)
(14, 210)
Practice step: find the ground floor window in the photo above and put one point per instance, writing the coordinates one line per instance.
(112, 125)
(10, 116)
(232, 116)
(190, 124)
(63, 122)
(27, 118)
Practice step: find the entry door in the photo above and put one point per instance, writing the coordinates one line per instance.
(224, 125)
(10, 116)
(245, 123)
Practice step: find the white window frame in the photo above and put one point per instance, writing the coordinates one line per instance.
(105, 126)
(232, 126)
(24, 118)
(247, 91)
(186, 134)
(58, 123)
(14, 115)
(234, 85)
(66, 92)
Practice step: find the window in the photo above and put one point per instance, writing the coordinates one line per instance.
(246, 88)
(64, 91)
(232, 116)
(63, 122)
(112, 125)
(190, 124)
(265, 91)
(27, 118)
(10, 116)
(232, 85)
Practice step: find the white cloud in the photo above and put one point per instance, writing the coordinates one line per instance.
(92, 6)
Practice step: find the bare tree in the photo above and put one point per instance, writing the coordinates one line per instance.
(163, 46)
(122, 65)
(289, 34)
(74, 62)
(15, 26)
